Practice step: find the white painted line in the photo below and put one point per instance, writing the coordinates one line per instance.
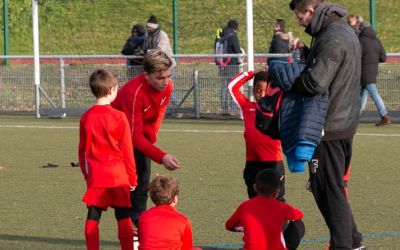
(177, 130)
(42, 127)
(388, 135)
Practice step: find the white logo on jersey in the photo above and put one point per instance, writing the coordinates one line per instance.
(163, 100)
(146, 109)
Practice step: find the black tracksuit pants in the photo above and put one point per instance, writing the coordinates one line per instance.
(139, 195)
(251, 170)
(327, 168)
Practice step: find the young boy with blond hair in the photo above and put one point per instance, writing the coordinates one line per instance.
(162, 226)
(106, 160)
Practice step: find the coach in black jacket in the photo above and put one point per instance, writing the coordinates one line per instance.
(333, 66)
(372, 54)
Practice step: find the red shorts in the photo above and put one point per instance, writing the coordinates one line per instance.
(108, 197)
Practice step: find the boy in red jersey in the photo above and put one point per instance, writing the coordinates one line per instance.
(262, 218)
(162, 226)
(106, 160)
(262, 152)
(144, 100)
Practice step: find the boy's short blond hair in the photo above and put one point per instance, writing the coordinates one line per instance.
(101, 81)
(163, 189)
(156, 60)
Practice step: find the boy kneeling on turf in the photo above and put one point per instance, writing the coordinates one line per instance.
(162, 226)
(262, 218)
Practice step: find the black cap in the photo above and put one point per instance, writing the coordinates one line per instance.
(233, 24)
(152, 19)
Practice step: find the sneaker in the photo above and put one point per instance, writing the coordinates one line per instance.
(360, 248)
(384, 121)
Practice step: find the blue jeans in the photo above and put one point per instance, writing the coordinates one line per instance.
(227, 103)
(373, 91)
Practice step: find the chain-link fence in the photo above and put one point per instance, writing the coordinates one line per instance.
(200, 85)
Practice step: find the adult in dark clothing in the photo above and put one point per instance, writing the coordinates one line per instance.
(334, 66)
(232, 68)
(280, 40)
(135, 46)
(372, 54)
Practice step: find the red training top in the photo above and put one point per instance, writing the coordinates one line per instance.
(259, 147)
(262, 220)
(105, 148)
(144, 106)
(163, 227)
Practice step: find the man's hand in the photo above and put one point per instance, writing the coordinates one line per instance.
(170, 162)
(296, 44)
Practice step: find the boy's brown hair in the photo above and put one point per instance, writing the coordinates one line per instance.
(163, 189)
(267, 182)
(101, 81)
(156, 60)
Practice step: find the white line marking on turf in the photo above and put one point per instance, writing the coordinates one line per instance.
(390, 135)
(44, 127)
(176, 130)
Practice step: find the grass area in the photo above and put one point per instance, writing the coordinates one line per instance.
(41, 208)
(102, 26)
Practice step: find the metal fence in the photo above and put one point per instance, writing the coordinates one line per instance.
(200, 90)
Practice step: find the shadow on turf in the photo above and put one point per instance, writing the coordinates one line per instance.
(56, 241)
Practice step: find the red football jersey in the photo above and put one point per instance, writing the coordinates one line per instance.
(105, 148)
(144, 106)
(259, 147)
(262, 220)
(163, 227)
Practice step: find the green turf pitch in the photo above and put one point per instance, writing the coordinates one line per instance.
(41, 208)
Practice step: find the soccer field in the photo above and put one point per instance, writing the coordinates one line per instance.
(41, 208)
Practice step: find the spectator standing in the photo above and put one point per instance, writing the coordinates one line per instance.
(134, 46)
(280, 42)
(373, 53)
(106, 161)
(231, 68)
(333, 63)
(144, 100)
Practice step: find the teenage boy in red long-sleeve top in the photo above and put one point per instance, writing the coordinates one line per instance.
(106, 161)
(162, 226)
(262, 152)
(144, 100)
(262, 218)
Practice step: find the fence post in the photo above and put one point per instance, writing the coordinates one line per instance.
(62, 82)
(196, 93)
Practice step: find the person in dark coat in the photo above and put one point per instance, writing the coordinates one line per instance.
(134, 46)
(372, 54)
(228, 106)
(333, 65)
